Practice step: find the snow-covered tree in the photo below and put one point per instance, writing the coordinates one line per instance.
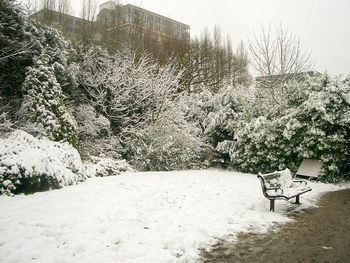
(278, 57)
(22, 39)
(17, 47)
(312, 124)
(129, 92)
(216, 116)
(166, 145)
(95, 135)
(61, 56)
(43, 103)
(197, 106)
(139, 98)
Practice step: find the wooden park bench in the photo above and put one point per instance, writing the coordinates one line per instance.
(282, 186)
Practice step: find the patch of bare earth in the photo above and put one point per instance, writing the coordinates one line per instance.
(316, 235)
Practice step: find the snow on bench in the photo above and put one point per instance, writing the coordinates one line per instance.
(281, 186)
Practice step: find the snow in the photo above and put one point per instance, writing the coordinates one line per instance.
(22, 155)
(138, 217)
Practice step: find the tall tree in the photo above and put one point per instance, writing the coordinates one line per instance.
(240, 73)
(89, 9)
(278, 57)
(210, 61)
(88, 13)
(43, 103)
(63, 6)
(17, 46)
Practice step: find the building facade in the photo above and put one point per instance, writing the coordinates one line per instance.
(70, 25)
(113, 17)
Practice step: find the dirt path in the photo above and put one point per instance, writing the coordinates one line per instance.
(317, 235)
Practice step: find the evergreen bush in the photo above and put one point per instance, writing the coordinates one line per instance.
(43, 103)
(28, 164)
(313, 126)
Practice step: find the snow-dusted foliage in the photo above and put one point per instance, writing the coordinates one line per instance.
(16, 47)
(137, 96)
(91, 125)
(95, 136)
(5, 123)
(21, 40)
(216, 115)
(43, 103)
(105, 166)
(166, 145)
(227, 104)
(130, 92)
(197, 106)
(61, 56)
(312, 123)
(28, 164)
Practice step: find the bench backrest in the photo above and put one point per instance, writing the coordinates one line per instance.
(267, 178)
(265, 181)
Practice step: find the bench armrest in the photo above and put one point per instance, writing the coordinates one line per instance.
(299, 181)
(275, 188)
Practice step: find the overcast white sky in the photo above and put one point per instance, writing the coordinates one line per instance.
(322, 25)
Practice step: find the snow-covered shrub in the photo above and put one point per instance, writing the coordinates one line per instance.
(130, 92)
(105, 146)
(197, 106)
(227, 108)
(138, 96)
(166, 146)
(61, 57)
(43, 103)
(105, 166)
(28, 164)
(95, 136)
(91, 125)
(5, 123)
(313, 123)
(216, 115)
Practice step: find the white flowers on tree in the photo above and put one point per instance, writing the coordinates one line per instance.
(43, 103)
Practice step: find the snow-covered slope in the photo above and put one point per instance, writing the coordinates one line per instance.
(137, 217)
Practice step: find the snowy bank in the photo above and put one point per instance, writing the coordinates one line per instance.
(138, 217)
(29, 164)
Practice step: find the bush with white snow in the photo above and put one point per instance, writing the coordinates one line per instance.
(105, 166)
(43, 103)
(29, 164)
(310, 122)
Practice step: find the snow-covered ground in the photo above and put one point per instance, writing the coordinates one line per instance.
(138, 217)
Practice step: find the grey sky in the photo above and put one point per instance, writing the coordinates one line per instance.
(322, 25)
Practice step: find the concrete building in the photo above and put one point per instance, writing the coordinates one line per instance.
(115, 19)
(70, 25)
(272, 80)
(113, 16)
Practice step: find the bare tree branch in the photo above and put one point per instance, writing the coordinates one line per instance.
(278, 57)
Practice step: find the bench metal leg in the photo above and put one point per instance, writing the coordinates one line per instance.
(297, 199)
(272, 205)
